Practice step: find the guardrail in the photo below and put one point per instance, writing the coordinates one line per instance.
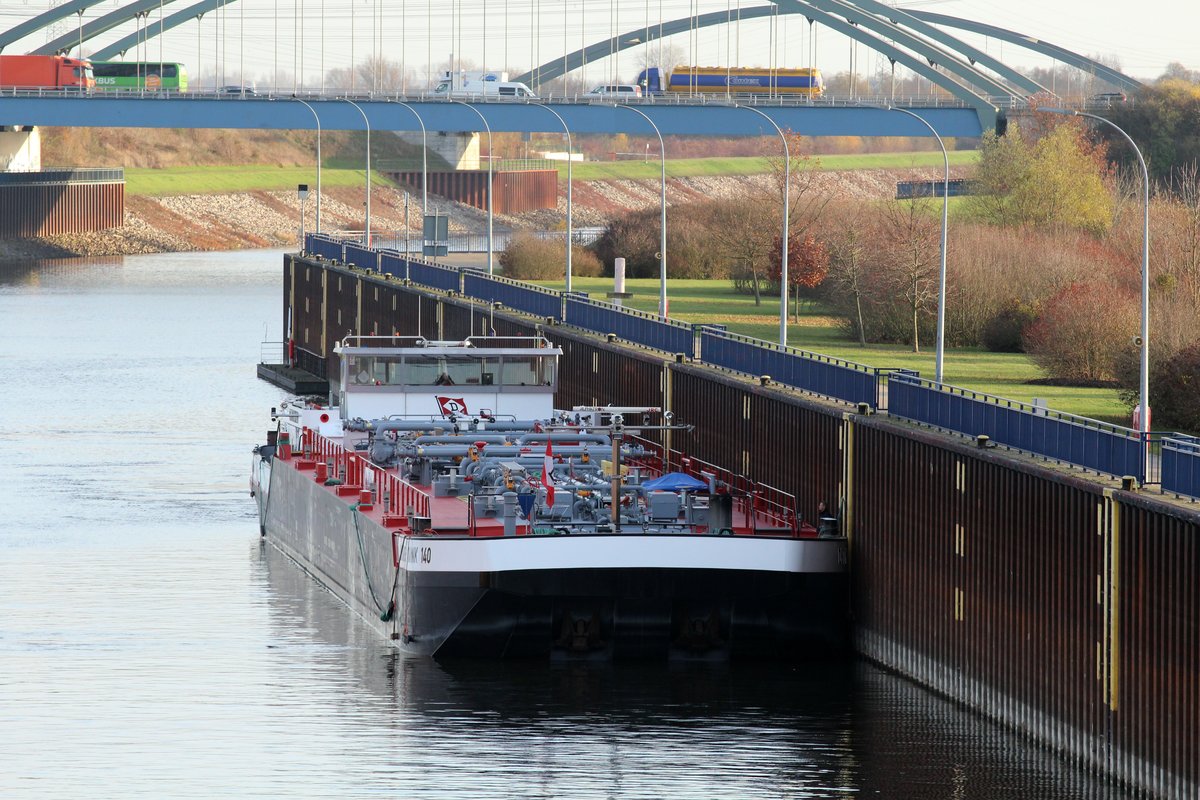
(800, 369)
(531, 299)
(1181, 465)
(629, 324)
(324, 246)
(64, 175)
(1088, 443)
(272, 352)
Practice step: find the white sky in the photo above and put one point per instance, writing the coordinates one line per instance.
(1142, 36)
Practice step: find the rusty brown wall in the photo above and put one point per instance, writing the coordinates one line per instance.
(1046, 601)
(512, 191)
(770, 436)
(1157, 720)
(46, 209)
(1062, 608)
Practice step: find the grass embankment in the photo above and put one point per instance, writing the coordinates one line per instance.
(753, 165)
(1003, 374)
(217, 179)
(223, 179)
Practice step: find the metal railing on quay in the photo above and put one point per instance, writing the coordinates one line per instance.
(1055, 435)
(631, 325)
(272, 352)
(63, 175)
(309, 361)
(805, 370)
(1181, 465)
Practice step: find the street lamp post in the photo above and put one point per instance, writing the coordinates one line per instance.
(568, 132)
(367, 224)
(318, 119)
(489, 191)
(424, 160)
(662, 252)
(302, 193)
(941, 308)
(787, 213)
(1144, 376)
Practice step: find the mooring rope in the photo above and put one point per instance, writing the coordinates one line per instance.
(385, 614)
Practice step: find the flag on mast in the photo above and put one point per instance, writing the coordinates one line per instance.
(547, 468)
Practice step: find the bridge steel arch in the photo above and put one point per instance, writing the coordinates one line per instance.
(1037, 45)
(857, 18)
(99, 26)
(46, 18)
(156, 28)
(900, 16)
(986, 110)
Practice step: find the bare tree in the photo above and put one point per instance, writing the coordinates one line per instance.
(809, 195)
(739, 233)
(913, 233)
(847, 243)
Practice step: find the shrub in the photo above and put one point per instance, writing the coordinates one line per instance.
(1004, 332)
(1174, 385)
(529, 258)
(1173, 391)
(1081, 332)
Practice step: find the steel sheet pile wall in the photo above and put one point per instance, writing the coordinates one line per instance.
(387, 310)
(772, 438)
(594, 373)
(1006, 587)
(342, 314)
(304, 282)
(45, 204)
(512, 191)
(1156, 727)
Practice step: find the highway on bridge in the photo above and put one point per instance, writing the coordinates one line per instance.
(397, 113)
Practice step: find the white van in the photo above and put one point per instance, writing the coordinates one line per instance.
(480, 84)
(617, 91)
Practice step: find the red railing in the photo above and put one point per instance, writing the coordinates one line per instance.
(759, 502)
(395, 495)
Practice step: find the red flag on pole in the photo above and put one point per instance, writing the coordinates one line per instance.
(547, 468)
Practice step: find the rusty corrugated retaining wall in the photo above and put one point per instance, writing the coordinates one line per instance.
(513, 191)
(60, 201)
(1062, 607)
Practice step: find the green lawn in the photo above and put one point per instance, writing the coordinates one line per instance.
(222, 179)
(339, 172)
(751, 165)
(1003, 374)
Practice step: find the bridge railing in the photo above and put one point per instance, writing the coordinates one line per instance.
(629, 324)
(1088, 443)
(1181, 465)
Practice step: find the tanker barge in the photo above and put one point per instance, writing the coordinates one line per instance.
(445, 499)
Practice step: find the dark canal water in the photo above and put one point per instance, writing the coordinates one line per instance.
(151, 646)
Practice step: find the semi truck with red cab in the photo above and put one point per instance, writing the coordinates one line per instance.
(45, 72)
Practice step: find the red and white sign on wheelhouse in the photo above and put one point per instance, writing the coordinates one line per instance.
(452, 405)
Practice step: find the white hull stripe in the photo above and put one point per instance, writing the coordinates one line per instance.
(622, 551)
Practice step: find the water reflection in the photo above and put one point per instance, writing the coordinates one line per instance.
(703, 730)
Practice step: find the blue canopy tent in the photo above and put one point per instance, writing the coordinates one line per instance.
(675, 482)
